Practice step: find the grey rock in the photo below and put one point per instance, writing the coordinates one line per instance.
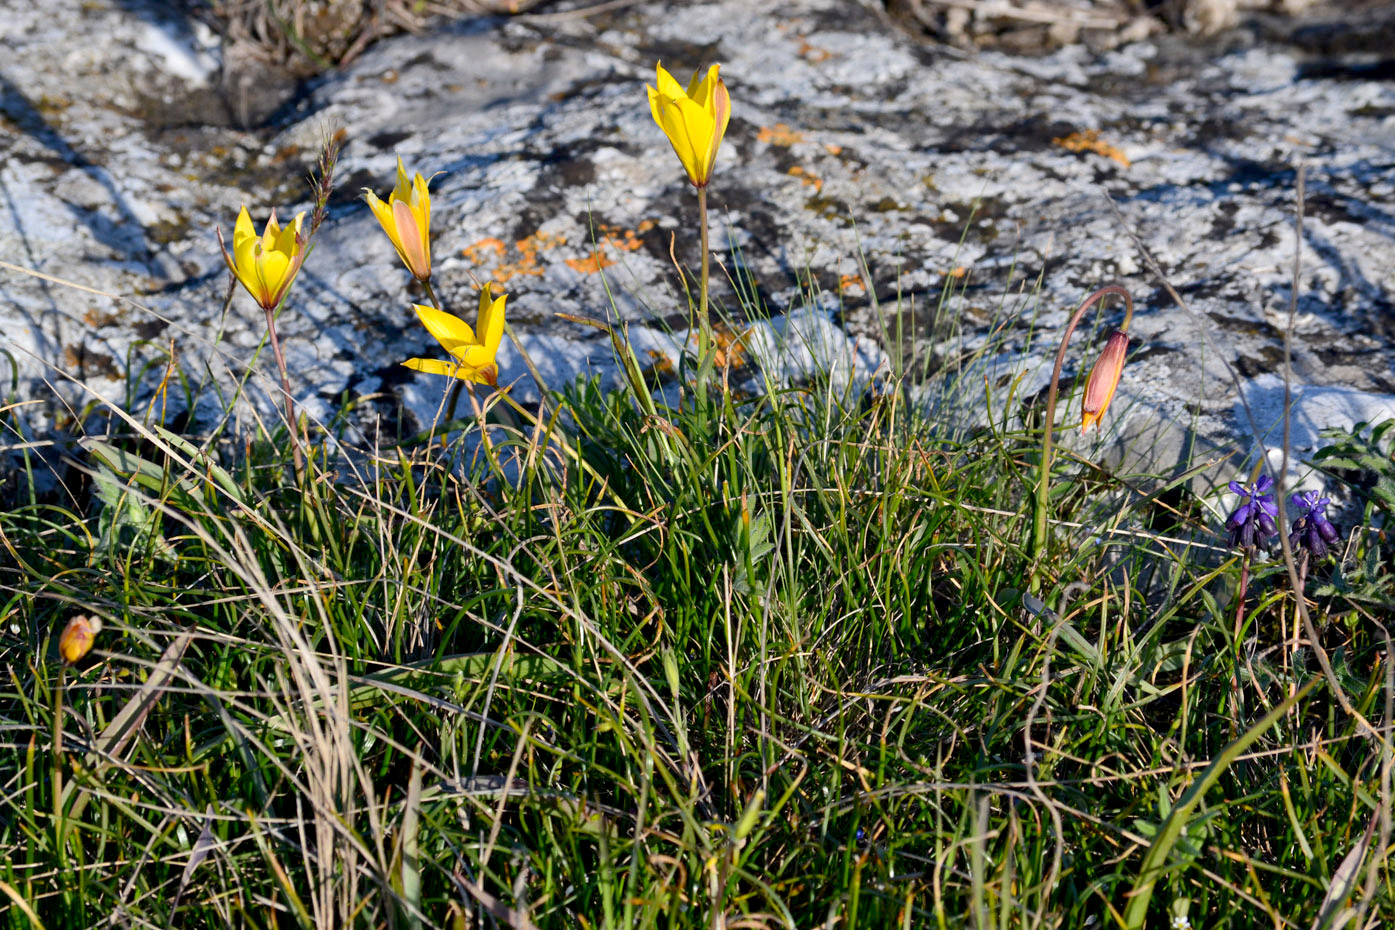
(882, 171)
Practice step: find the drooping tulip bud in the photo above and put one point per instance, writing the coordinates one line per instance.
(1104, 378)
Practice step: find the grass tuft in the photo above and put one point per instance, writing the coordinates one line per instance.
(631, 666)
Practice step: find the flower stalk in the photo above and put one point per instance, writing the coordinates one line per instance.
(695, 120)
(1104, 378)
(267, 265)
(706, 344)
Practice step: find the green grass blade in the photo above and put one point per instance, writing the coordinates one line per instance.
(1155, 862)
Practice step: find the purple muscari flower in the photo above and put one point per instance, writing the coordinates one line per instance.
(1252, 523)
(1311, 528)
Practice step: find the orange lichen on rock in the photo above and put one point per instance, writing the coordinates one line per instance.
(849, 281)
(625, 240)
(475, 251)
(780, 135)
(812, 53)
(807, 177)
(95, 317)
(621, 240)
(1089, 141)
(540, 242)
(527, 249)
(590, 265)
(660, 363)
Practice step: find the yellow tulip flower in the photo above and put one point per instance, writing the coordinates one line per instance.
(266, 264)
(472, 350)
(406, 218)
(694, 120)
(1104, 379)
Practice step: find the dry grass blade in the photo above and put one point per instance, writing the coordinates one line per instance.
(1335, 913)
(409, 851)
(116, 735)
(203, 847)
(24, 907)
(510, 917)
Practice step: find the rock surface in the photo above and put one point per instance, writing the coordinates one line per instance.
(884, 171)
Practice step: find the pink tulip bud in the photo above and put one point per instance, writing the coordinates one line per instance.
(1104, 378)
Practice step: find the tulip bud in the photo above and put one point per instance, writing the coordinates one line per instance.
(406, 218)
(695, 120)
(77, 638)
(1104, 378)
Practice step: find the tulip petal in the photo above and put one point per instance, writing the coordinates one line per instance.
(700, 90)
(272, 230)
(490, 325)
(689, 131)
(475, 357)
(271, 272)
(408, 240)
(721, 114)
(654, 105)
(245, 253)
(403, 190)
(286, 238)
(666, 85)
(453, 333)
(243, 230)
(421, 209)
(381, 212)
(434, 366)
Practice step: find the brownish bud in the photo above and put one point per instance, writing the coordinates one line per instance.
(77, 638)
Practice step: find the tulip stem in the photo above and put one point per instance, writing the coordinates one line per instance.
(705, 342)
(1048, 437)
(454, 397)
(431, 293)
(296, 454)
(702, 232)
(451, 401)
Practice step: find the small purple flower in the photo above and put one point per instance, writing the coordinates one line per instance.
(1311, 528)
(1252, 523)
